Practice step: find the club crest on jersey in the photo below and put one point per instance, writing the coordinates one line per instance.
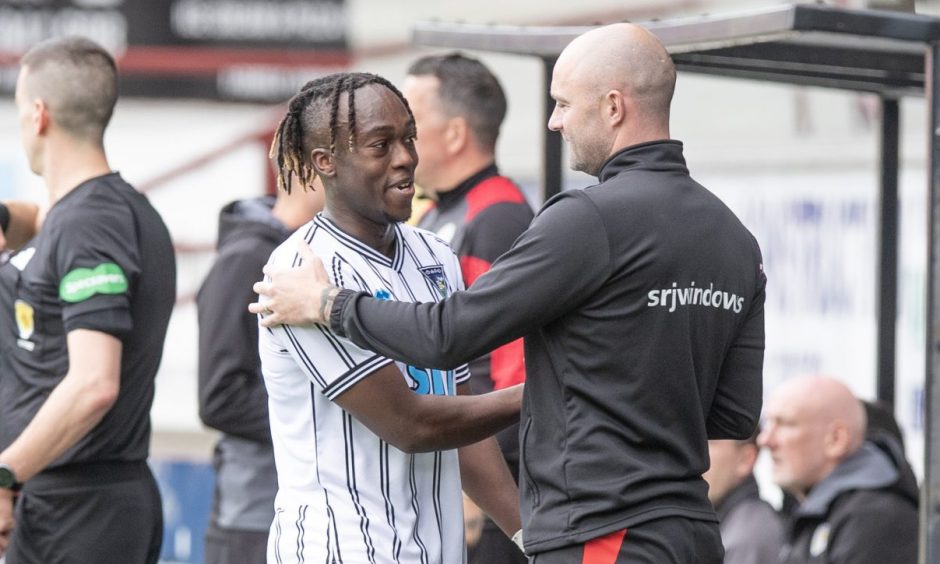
(435, 275)
(25, 323)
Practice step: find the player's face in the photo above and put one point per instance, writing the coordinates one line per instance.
(431, 121)
(375, 181)
(26, 111)
(577, 115)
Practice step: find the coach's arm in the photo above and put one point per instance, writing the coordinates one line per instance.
(413, 423)
(75, 406)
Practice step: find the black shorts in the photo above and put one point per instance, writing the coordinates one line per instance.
(671, 540)
(106, 513)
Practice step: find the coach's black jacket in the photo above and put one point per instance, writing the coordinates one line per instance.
(865, 512)
(232, 398)
(641, 302)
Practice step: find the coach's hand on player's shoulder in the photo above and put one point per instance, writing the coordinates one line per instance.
(6, 519)
(292, 296)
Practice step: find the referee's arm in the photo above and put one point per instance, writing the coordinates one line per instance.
(74, 407)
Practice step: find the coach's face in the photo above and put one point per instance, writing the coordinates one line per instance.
(375, 179)
(577, 115)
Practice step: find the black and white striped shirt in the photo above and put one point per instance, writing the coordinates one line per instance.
(345, 495)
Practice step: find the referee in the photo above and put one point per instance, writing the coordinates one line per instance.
(85, 307)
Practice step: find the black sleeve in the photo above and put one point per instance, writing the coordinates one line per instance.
(735, 410)
(555, 265)
(232, 398)
(97, 262)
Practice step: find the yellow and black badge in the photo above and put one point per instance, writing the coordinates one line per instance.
(24, 319)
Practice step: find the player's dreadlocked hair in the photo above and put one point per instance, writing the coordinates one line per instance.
(305, 113)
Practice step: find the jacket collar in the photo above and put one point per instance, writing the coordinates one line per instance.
(869, 468)
(665, 154)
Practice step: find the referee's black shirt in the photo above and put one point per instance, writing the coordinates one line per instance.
(103, 260)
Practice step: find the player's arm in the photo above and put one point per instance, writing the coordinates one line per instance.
(74, 407)
(19, 222)
(421, 423)
(487, 481)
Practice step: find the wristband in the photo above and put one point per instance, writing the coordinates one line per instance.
(517, 540)
(4, 217)
(327, 296)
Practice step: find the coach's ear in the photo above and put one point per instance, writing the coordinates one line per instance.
(322, 160)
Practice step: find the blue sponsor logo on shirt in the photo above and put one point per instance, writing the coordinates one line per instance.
(430, 381)
(382, 294)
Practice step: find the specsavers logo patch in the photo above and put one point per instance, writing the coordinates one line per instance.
(83, 283)
(24, 319)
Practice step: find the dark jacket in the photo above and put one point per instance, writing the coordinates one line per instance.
(641, 302)
(232, 398)
(865, 512)
(751, 531)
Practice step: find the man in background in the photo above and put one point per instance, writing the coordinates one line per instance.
(459, 106)
(232, 398)
(751, 531)
(857, 504)
(86, 304)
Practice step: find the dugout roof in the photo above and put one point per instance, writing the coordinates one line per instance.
(890, 54)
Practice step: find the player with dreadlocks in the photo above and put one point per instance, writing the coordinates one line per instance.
(363, 445)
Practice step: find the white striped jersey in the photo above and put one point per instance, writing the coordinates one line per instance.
(345, 495)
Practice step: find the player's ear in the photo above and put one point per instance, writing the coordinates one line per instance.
(323, 161)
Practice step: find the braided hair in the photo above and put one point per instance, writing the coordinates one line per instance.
(305, 114)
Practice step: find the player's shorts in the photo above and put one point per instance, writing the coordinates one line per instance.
(670, 540)
(101, 512)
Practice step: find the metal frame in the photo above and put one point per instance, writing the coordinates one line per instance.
(887, 53)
